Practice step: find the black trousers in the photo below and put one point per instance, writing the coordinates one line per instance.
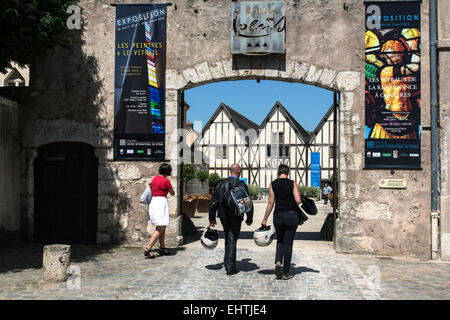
(286, 224)
(232, 229)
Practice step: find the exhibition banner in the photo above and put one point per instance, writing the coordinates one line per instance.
(139, 95)
(392, 85)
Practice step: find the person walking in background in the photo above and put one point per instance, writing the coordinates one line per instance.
(158, 209)
(231, 221)
(326, 191)
(284, 193)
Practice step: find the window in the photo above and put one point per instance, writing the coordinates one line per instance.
(284, 152)
(331, 152)
(269, 151)
(221, 152)
(277, 137)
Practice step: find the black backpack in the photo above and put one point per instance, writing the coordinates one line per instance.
(236, 199)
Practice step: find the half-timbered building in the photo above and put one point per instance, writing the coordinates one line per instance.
(225, 140)
(229, 137)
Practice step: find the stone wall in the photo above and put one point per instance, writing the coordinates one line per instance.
(324, 47)
(444, 96)
(9, 166)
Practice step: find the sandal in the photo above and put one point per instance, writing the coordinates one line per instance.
(163, 252)
(146, 251)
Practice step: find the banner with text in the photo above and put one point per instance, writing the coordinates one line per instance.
(392, 85)
(139, 93)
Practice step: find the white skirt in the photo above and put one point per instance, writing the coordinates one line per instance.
(158, 211)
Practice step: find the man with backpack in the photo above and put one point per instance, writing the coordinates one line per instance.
(228, 194)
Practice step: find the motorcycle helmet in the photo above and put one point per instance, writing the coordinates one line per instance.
(263, 236)
(210, 238)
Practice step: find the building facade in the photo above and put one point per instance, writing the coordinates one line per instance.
(71, 101)
(229, 137)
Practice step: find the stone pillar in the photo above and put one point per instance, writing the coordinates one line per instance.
(55, 262)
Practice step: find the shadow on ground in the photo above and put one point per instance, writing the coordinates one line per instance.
(243, 265)
(294, 270)
(18, 257)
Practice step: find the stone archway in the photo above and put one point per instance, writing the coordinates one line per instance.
(344, 82)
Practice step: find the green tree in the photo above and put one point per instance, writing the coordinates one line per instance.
(202, 176)
(188, 172)
(30, 28)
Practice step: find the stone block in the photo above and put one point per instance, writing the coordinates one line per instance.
(445, 246)
(367, 210)
(104, 221)
(103, 238)
(290, 66)
(55, 262)
(108, 187)
(349, 227)
(358, 244)
(313, 75)
(172, 108)
(327, 77)
(348, 80)
(191, 75)
(347, 101)
(217, 71)
(203, 72)
(171, 95)
(129, 172)
(300, 70)
(228, 69)
(175, 80)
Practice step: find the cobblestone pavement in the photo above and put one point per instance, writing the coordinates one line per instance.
(194, 273)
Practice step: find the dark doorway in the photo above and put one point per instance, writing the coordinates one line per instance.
(65, 188)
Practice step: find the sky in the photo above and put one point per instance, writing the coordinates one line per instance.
(307, 104)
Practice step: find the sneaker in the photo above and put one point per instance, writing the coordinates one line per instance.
(287, 276)
(278, 272)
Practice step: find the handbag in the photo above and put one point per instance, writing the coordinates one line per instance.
(146, 196)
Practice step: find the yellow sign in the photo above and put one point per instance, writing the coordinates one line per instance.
(392, 183)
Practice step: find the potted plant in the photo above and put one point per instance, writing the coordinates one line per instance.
(213, 179)
(203, 202)
(254, 191)
(189, 205)
(202, 176)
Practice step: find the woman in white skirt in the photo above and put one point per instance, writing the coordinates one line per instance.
(158, 210)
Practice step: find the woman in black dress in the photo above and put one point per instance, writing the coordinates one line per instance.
(284, 193)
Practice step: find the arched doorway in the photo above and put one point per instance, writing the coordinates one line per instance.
(66, 178)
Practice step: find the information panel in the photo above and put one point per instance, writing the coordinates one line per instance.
(392, 85)
(139, 96)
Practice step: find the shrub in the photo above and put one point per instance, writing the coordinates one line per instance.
(254, 191)
(311, 192)
(202, 175)
(214, 179)
(188, 172)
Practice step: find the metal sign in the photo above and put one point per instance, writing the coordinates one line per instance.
(315, 169)
(392, 184)
(258, 27)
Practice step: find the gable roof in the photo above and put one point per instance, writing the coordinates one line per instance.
(301, 132)
(237, 119)
(321, 123)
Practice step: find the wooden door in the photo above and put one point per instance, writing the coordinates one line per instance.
(66, 178)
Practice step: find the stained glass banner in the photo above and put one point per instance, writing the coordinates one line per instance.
(392, 85)
(140, 66)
